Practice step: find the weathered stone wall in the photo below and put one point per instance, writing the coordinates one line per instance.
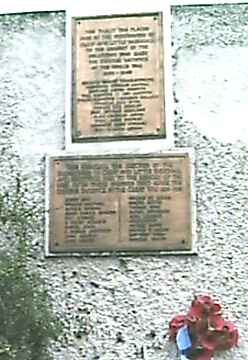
(114, 308)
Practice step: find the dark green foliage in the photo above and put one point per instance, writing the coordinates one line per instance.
(17, 217)
(27, 323)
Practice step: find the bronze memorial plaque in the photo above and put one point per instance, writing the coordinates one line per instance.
(126, 203)
(117, 77)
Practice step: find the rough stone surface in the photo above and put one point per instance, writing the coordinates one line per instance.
(118, 308)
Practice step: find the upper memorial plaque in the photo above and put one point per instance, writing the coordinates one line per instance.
(118, 78)
(120, 203)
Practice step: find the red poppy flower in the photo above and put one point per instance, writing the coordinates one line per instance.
(175, 324)
(229, 336)
(204, 305)
(215, 322)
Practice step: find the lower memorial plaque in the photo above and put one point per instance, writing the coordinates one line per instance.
(121, 203)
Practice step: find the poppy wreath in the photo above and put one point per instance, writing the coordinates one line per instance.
(205, 328)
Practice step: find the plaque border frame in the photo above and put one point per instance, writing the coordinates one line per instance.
(161, 82)
(125, 142)
(172, 152)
